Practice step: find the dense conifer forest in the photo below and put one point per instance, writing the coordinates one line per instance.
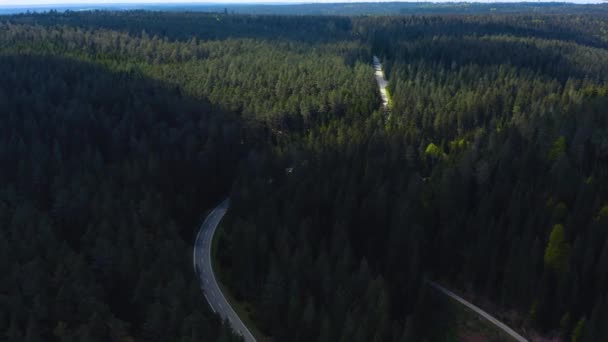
(488, 174)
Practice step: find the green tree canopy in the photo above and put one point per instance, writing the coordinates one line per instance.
(558, 250)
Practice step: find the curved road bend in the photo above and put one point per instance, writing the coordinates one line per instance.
(204, 270)
(480, 312)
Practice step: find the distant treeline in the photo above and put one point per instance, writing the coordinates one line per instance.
(339, 9)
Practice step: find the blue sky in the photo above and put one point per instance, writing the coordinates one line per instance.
(53, 2)
(76, 2)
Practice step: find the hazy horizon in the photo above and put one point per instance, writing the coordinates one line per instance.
(26, 3)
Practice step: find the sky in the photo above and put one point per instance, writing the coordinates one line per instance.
(53, 2)
(5, 3)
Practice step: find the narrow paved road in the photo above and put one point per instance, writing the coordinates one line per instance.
(480, 312)
(382, 83)
(204, 270)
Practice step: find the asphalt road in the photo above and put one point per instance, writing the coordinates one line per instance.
(480, 312)
(382, 83)
(204, 270)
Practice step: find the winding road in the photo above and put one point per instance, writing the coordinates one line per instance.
(204, 269)
(478, 311)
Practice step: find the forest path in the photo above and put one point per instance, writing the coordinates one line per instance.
(479, 311)
(204, 270)
(382, 83)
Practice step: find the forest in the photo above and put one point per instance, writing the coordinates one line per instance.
(119, 131)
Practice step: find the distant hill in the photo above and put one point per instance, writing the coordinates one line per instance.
(362, 8)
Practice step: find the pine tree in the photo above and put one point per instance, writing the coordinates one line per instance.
(557, 251)
(578, 331)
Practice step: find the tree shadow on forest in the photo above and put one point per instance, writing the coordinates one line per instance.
(551, 32)
(183, 26)
(459, 26)
(94, 150)
(557, 63)
(118, 114)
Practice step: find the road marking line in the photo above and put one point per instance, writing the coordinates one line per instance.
(208, 301)
(198, 234)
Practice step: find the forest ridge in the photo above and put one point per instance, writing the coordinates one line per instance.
(489, 174)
